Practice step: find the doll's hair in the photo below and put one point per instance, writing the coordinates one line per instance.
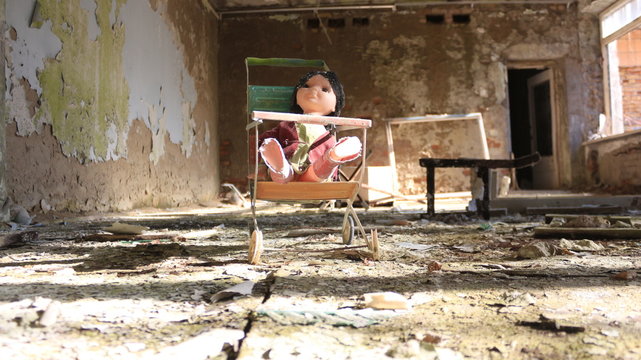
(333, 81)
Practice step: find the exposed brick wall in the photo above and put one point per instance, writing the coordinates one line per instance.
(631, 83)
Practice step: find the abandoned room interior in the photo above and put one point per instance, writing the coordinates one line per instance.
(494, 213)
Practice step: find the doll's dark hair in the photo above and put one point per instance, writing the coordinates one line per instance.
(333, 81)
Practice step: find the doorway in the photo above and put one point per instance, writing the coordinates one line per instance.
(532, 123)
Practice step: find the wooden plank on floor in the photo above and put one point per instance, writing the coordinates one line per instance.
(585, 210)
(610, 218)
(587, 233)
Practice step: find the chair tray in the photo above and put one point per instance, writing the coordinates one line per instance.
(268, 190)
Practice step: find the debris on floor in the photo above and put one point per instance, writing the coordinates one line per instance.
(590, 227)
(451, 287)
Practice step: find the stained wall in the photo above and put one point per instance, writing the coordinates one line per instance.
(402, 64)
(614, 163)
(111, 104)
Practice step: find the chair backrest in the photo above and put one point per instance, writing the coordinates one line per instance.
(269, 98)
(274, 98)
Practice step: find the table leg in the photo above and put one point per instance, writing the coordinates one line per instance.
(430, 191)
(484, 208)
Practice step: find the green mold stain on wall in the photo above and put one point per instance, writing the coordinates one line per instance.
(85, 93)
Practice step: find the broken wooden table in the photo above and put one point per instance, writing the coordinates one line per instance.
(482, 167)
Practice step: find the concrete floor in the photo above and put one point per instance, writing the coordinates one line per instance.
(66, 293)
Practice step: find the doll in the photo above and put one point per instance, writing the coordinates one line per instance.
(308, 152)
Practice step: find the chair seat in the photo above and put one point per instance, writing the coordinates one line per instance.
(268, 190)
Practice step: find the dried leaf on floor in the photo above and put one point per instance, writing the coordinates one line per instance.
(625, 275)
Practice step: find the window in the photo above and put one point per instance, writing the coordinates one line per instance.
(621, 39)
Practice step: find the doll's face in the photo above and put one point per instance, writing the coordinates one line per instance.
(316, 97)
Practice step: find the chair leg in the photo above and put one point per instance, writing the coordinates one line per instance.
(350, 210)
(255, 247)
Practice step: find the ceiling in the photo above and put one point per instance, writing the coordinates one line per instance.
(234, 7)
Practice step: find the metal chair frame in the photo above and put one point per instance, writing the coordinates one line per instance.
(298, 191)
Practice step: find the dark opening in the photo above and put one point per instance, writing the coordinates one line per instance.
(543, 120)
(526, 140)
(461, 18)
(435, 19)
(313, 23)
(360, 21)
(336, 23)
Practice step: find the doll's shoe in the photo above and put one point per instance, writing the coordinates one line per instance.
(346, 149)
(279, 168)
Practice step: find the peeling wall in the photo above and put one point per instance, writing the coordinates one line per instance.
(4, 212)
(111, 104)
(401, 65)
(614, 163)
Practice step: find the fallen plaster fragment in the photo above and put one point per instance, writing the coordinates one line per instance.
(44, 205)
(413, 246)
(386, 301)
(50, 315)
(244, 288)
(120, 228)
(341, 317)
(537, 250)
(580, 245)
(202, 234)
(203, 346)
(19, 215)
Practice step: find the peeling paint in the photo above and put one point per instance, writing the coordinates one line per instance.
(189, 130)
(78, 105)
(31, 46)
(94, 29)
(158, 126)
(165, 81)
(82, 58)
(84, 90)
(23, 106)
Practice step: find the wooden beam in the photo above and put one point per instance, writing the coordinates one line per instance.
(588, 233)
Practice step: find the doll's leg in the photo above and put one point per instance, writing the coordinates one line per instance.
(346, 149)
(279, 168)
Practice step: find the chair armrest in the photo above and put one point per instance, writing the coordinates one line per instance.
(312, 119)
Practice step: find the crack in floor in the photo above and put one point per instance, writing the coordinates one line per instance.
(266, 285)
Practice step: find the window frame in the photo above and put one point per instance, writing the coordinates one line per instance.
(612, 127)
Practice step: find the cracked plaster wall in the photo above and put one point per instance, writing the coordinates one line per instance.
(4, 214)
(111, 103)
(401, 66)
(614, 163)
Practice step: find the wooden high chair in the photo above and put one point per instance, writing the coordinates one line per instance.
(272, 103)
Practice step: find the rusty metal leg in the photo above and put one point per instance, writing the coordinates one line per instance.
(484, 208)
(430, 191)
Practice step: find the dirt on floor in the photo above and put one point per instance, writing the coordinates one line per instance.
(473, 289)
